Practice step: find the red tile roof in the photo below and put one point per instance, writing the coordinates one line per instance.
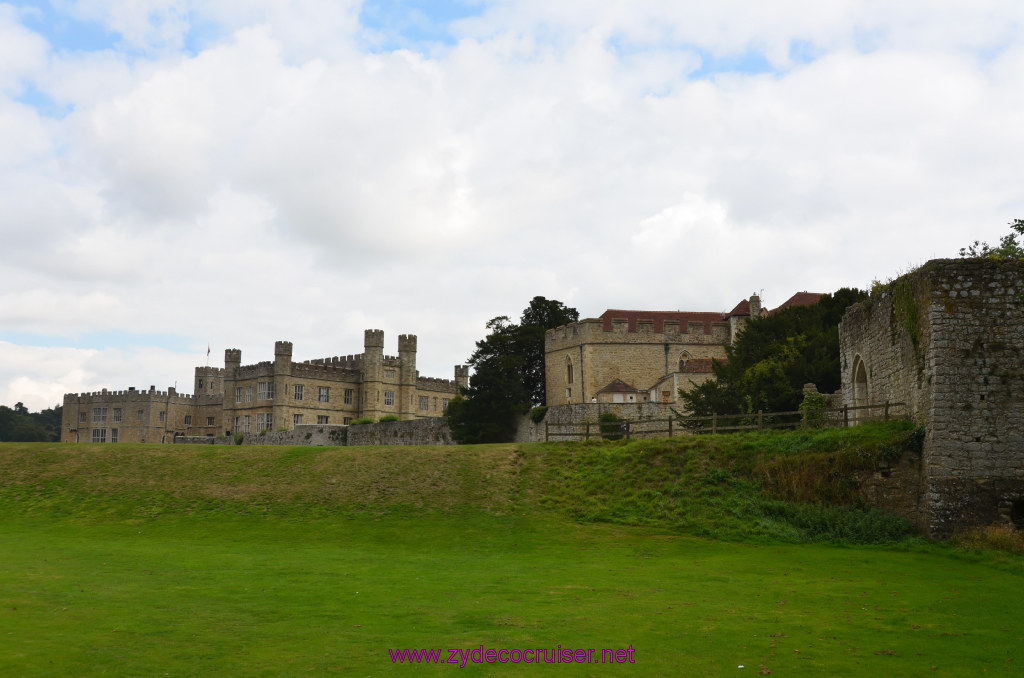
(799, 299)
(618, 386)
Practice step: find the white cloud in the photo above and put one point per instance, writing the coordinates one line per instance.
(276, 181)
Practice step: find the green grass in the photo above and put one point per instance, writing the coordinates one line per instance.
(125, 560)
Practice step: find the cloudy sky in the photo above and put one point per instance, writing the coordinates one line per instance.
(178, 174)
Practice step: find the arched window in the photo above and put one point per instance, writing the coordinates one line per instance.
(568, 370)
(684, 358)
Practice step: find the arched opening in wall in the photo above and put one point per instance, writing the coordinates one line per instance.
(860, 387)
(684, 358)
(568, 378)
(1017, 513)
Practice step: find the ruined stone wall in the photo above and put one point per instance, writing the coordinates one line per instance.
(637, 357)
(948, 340)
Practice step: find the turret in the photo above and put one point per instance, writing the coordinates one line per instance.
(232, 360)
(462, 376)
(373, 341)
(282, 357)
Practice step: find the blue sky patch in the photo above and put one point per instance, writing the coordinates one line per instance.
(109, 339)
(414, 24)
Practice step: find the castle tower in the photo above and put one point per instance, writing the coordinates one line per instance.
(232, 361)
(407, 406)
(370, 391)
(462, 376)
(282, 372)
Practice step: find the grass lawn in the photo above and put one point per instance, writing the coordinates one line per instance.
(201, 561)
(268, 596)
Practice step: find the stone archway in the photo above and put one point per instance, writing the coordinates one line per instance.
(860, 388)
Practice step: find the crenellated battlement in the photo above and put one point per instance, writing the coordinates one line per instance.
(436, 384)
(263, 369)
(351, 362)
(627, 330)
(316, 370)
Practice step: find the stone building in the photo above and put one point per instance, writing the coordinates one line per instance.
(643, 356)
(267, 396)
(948, 341)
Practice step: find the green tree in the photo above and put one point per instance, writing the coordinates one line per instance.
(773, 357)
(1008, 248)
(508, 374)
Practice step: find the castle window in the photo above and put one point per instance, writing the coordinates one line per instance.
(248, 423)
(139, 416)
(322, 419)
(348, 396)
(163, 417)
(117, 414)
(298, 391)
(200, 383)
(568, 393)
(265, 390)
(683, 359)
(113, 435)
(248, 394)
(99, 415)
(209, 421)
(324, 394)
(261, 422)
(424, 403)
(435, 404)
(444, 404)
(99, 435)
(82, 416)
(568, 370)
(188, 420)
(238, 394)
(296, 420)
(389, 398)
(389, 374)
(347, 420)
(237, 421)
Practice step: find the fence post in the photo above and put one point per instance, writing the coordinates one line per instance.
(760, 421)
(886, 415)
(714, 422)
(546, 424)
(846, 416)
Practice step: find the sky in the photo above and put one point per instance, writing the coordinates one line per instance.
(184, 175)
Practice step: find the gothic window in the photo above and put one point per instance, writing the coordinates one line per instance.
(568, 370)
(684, 358)
(389, 397)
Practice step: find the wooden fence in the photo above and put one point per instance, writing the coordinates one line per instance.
(726, 423)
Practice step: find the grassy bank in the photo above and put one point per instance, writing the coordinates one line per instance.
(793, 486)
(246, 561)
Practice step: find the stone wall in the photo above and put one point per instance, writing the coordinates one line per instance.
(432, 431)
(564, 419)
(947, 339)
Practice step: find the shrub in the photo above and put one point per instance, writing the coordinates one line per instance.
(239, 438)
(611, 426)
(991, 538)
(537, 413)
(362, 420)
(389, 417)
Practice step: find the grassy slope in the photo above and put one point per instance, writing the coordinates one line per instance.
(153, 560)
(778, 486)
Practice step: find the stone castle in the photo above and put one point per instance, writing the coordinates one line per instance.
(267, 396)
(643, 356)
(948, 341)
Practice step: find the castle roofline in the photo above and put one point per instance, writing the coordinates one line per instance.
(799, 299)
(659, 318)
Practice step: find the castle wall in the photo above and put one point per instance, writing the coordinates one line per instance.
(947, 340)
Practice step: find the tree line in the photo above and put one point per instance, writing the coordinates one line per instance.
(21, 426)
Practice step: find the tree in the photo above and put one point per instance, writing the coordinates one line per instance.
(508, 374)
(1009, 247)
(773, 357)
